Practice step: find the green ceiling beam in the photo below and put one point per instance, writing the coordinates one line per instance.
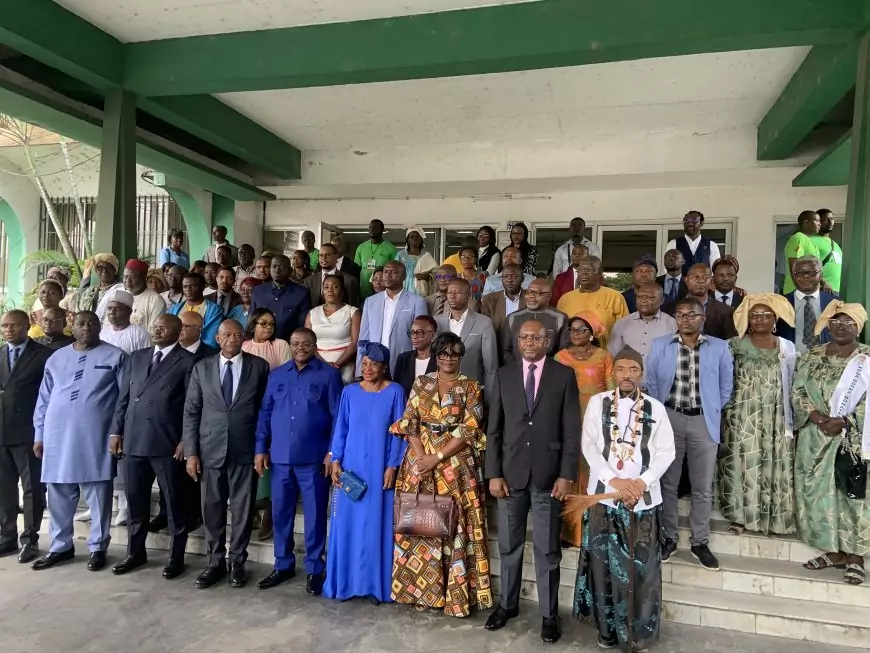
(47, 32)
(823, 79)
(25, 105)
(831, 168)
(494, 39)
(208, 118)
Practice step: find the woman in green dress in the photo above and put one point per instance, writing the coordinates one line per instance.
(830, 404)
(756, 480)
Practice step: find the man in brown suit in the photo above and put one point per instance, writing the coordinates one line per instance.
(719, 321)
(437, 301)
(497, 306)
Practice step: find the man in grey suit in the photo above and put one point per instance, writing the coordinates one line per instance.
(220, 424)
(481, 349)
(314, 282)
(532, 457)
(387, 316)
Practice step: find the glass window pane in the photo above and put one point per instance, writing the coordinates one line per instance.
(548, 240)
(620, 249)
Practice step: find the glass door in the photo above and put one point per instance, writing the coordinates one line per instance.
(326, 232)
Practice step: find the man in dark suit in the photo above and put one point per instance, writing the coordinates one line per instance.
(809, 300)
(314, 282)
(53, 323)
(497, 306)
(220, 424)
(147, 428)
(533, 456)
(345, 263)
(719, 320)
(288, 301)
(672, 282)
(22, 363)
(725, 282)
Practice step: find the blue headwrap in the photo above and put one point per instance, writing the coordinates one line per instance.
(374, 350)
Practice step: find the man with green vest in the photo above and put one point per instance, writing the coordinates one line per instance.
(372, 254)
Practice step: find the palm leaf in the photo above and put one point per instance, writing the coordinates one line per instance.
(48, 258)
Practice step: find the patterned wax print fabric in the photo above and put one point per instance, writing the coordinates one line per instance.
(826, 518)
(756, 458)
(453, 575)
(603, 572)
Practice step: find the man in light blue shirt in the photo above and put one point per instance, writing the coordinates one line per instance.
(510, 255)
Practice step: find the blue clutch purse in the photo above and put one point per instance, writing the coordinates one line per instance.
(352, 485)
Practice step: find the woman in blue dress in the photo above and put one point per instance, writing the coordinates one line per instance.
(359, 560)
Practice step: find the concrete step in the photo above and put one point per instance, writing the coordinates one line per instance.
(767, 578)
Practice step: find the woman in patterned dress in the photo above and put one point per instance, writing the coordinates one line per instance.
(442, 424)
(593, 368)
(756, 480)
(832, 380)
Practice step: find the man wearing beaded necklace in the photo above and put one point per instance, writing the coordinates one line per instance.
(629, 445)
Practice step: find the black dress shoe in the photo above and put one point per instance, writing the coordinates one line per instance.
(173, 570)
(158, 524)
(314, 584)
(275, 578)
(210, 576)
(27, 553)
(51, 559)
(499, 618)
(8, 548)
(129, 564)
(238, 575)
(97, 561)
(550, 632)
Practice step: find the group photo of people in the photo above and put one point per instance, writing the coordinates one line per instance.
(397, 397)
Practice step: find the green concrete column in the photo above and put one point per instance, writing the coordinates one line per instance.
(223, 211)
(17, 251)
(116, 202)
(198, 232)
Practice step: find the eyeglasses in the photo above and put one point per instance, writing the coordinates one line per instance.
(418, 333)
(302, 345)
(580, 330)
(840, 322)
(529, 338)
(265, 325)
(806, 274)
(687, 317)
(761, 315)
(449, 355)
(536, 294)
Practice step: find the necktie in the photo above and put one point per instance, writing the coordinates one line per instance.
(671, 289)
(576, 280)
(530, 388)
(227, 383)
(155, 361)
(15, 353)
(810, 339)
(722, 298)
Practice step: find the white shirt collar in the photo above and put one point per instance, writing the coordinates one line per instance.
(166, 350)
(724, 295)
(194, 347)
(692, 240)
(393, 299)
(460, 320)
(235, 359)
(799, 295)
(329, 273)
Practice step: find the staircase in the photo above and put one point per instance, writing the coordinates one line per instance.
(760, 589)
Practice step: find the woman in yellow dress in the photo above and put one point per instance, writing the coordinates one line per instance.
(593, 369)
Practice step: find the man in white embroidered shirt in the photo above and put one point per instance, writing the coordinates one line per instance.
(629, 445)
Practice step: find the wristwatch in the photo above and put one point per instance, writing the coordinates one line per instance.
(440, 455)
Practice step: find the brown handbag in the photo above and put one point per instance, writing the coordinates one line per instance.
(425, 515)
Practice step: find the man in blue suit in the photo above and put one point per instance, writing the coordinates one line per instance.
(388, 315)
(288, 301)
(692, 374)
(809, 301)
(293, 433)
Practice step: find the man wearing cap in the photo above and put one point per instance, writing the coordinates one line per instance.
(147, 304)
(631, 464)
(643, 271)
(119, 330)
(562, 257)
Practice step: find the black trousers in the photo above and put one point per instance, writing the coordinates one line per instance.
(238, 485)
(141, 471)
(190, 500)
(18, 462)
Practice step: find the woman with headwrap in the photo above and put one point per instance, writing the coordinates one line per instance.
(442, 423)
(756, 455)
(359, 560)
(830, 410)
(95, 298)
(418, 263)
(593, 369)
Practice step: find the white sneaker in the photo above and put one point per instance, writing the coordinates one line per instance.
(121, 518)
(83, 516)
